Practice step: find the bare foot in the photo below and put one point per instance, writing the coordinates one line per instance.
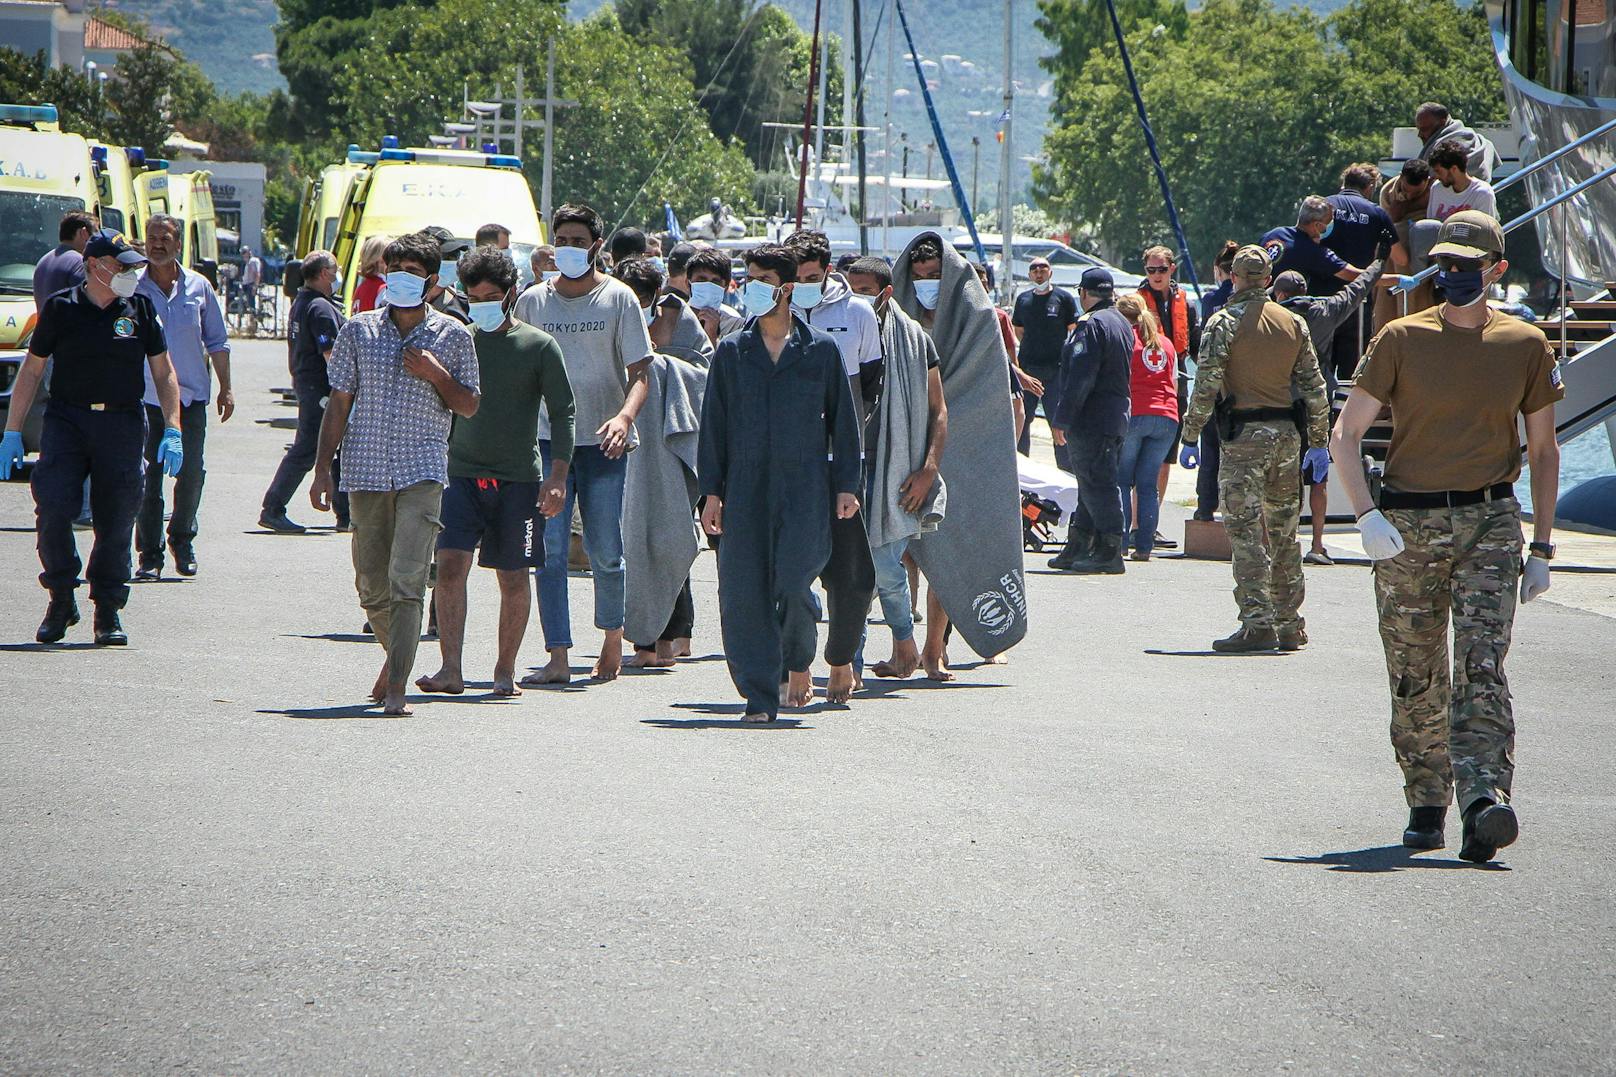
(505, 684)
(799, 689)
(682, 647)
(936, 666)
(378, 691)
(757, 719)
(668, 651)
(608, 665)
(840, 685)
(394, 704)
(556, 671)
(903, 663)
(449, 683)
(647, 659)
(999, 660)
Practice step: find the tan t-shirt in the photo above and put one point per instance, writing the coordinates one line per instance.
(1455, 396)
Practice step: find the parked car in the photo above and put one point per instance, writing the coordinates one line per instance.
(1066, 264)
(10, 364)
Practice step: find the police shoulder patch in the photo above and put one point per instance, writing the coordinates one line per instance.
(123, 328)
(1556, 379)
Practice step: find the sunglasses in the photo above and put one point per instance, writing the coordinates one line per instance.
(1153, 270)
(1460, 265)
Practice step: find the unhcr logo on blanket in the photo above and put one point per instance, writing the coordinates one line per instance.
(996, 611)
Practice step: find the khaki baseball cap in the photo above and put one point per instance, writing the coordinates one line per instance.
(1470, 233)
(1250, 262)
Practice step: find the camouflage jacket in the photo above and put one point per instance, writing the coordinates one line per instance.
(1306, 380)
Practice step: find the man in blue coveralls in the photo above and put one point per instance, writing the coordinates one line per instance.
(779, 453)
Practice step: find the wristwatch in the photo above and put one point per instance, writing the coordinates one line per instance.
(1545, 550)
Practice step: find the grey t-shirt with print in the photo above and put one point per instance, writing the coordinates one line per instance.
(602, 334)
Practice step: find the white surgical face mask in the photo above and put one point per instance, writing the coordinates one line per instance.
(807, 296)
(405, 289)
(1043, 289)
(487, 316)
(572, 261)
(759, 296)
(926, 292)
(706, 295)
(124, 283)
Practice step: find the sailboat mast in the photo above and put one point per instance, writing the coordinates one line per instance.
(858, 108)
(808, 114)
(1006, 160)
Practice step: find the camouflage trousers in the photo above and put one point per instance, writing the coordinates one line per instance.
(1259, 483)
(1460, 565)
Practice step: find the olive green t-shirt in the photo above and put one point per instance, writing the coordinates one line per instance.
(519, 368)
(1456, 395)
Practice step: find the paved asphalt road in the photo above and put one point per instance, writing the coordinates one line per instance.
(1116, 854)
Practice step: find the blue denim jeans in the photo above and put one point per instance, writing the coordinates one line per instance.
(1142, 451)
(595, 484)
(892, 588)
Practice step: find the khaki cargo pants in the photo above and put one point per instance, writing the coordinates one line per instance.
(1460, 565)
(394, 534)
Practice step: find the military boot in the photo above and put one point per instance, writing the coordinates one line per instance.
(1246, 641)
(60, 615)
(1425, 828)
(1079, 544)
(1488, 827)
(109, 628)
(1106, 560)
(1292, 639)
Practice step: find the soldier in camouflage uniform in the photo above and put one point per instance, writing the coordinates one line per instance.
(1446, 537)
(1259, 357)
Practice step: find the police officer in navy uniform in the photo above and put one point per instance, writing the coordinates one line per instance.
(1091, 420)
(100, 335)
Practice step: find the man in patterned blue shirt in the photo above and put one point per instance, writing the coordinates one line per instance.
(398, 375)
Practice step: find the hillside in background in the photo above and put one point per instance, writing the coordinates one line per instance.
(233, 42)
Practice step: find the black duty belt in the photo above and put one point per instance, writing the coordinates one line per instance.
(1443, 499)
(137, 406)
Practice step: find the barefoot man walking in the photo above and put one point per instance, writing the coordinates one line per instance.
(398, 376)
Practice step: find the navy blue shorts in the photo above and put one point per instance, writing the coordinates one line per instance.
(500, 519)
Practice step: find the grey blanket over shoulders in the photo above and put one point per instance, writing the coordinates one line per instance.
(659, 497)
(973, 560)
(902, 417)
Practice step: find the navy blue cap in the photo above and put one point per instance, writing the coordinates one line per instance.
(1097, 280)
(110, 243)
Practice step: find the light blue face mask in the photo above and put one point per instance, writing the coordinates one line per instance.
(759, 297)
(660, 263)
(705, 295)
(807, 296)
(1327, 230)
(405, 289)
(926, 292)
(487, 316)
(572, 261)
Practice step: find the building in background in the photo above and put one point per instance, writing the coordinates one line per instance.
(238, 196)
(54, 27)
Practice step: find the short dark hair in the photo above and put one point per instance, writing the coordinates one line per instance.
(1450, 153)
(75, 221)
(847, 259)
(872, 266)
(628, 243)
(487, 264)
(491, 233)
(1417, 170)
(1360, 177)
(781, 259)
(984, 274)
(712, 260)
(810, 246)
(422, 248)
(577, 213)
(640, 274)
(928, 249)
(678, 258)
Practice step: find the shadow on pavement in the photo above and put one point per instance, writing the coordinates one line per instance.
(347, 710)
(1382, 858)
(718, 723)
(83, 645)
(877, 687)
(1217, 654)
(335, 637)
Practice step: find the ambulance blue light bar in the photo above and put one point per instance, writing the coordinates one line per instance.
(136, 155)
(449, 157)
(504, 160)
(389, 142)
(357, 156)
(155, 164)
(28, 114)
(98, 154)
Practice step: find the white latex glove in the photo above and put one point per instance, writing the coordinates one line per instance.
(1380, 538)
(1534, 578)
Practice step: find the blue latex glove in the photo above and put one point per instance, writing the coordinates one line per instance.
(10, 453)
(1316, 465)
(169, 453)
(1190, 457)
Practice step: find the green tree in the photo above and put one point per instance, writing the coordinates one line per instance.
(1253, 108)
(151, 89)
(30, 80)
